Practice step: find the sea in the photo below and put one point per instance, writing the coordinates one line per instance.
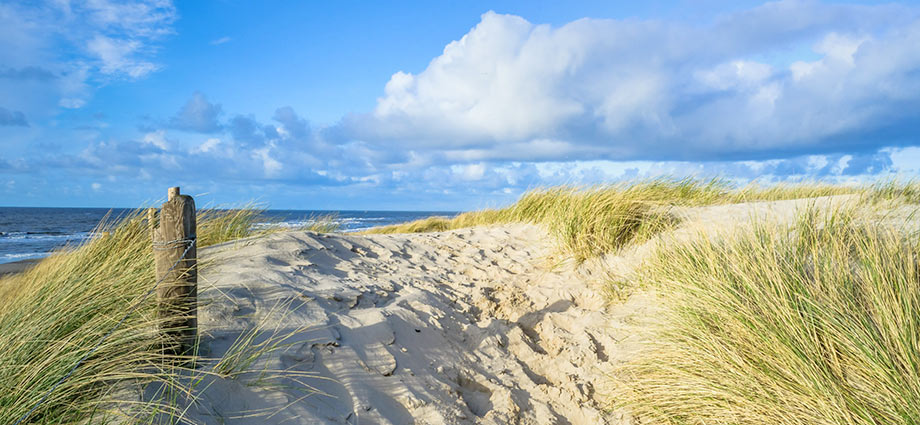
(27, 233)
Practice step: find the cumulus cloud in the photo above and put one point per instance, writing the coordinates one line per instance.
(633, 89)
(249, 132)
(788, 91)
(198, 115)
(157, 139)
(210, 145)
(283, 150)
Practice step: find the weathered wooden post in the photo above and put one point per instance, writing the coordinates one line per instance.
(152, 221)
(177, 295)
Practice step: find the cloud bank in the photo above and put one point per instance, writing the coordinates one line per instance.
(790, 90)
(735, 88)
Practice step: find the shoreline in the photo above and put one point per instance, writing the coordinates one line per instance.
(15, 267)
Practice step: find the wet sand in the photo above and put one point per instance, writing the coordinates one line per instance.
(17, 266)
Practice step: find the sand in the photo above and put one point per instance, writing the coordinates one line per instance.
(17, 266)
(459, 327)
(473, 326)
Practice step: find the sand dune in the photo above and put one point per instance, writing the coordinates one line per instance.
(478, 325)
(457, 327)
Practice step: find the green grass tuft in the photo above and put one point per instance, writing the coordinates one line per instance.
(222, 225)
(894, 190)
(590, 221)
(816, 324)
(55, 312)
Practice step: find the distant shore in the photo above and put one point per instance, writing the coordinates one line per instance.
(17, 266)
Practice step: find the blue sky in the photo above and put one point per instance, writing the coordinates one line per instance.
(445, 106)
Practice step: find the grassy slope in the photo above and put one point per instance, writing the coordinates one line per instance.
(817, 325)
(55, 312)
(594, 220)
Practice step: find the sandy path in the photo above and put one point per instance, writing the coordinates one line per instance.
(457, 327)
(468, 326)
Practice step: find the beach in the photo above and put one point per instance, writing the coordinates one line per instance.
(572, 213)
(495, 317)
(467, 326)
(478, 325)
(16, 266)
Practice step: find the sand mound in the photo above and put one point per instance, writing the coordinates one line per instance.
(458, 327)
(469, 326)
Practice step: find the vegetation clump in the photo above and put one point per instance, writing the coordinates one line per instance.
(54, 313)
(814, 324)
(594, 220)
(223, 225)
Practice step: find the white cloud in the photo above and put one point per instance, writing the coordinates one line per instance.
(906, 160)
(271, 167)
(734, 75)
(209, 145)
(158, 139)
(469, 172)
(118, 57)
(632, 89)
(138, 18)
(53, 54)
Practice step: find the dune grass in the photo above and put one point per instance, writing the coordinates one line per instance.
(222, 225)
(895, 190)
(785, 191)
(817, 324)
(590, 221)
(55, 312)
(586, 222)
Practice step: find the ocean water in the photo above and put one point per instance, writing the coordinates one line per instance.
(34, 232)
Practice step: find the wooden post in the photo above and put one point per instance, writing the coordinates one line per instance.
(177, 294)
(152, 221)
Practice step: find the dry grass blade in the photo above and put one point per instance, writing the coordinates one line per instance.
(57, 311)
(816, 324)
(590, 221)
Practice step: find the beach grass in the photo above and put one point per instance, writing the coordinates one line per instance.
(55, 312)
(218, 225)
(896, 190)
(810, 324)
(594, 220)
(586, 221)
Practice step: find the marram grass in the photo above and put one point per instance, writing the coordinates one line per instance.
(586, 222)
(223, 225)
(55, 312)
(894, 190)
(594, 220)
(814, 324)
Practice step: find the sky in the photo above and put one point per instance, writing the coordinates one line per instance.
(420, 105)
